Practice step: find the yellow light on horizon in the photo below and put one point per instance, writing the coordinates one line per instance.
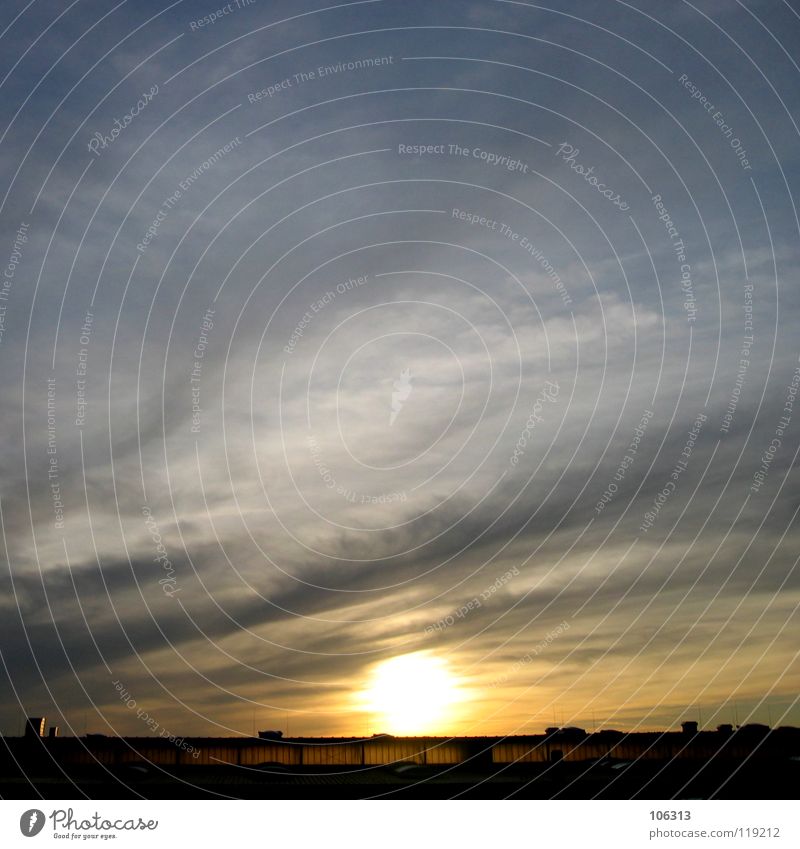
(412, 694)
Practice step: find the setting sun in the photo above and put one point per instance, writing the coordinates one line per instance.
(412, 694)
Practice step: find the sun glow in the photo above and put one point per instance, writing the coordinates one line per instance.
(412, 694)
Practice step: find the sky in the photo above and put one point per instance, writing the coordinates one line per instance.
(361, 357)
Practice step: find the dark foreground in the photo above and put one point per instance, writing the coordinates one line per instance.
(751, 763)
(754, 778)
(644, 780)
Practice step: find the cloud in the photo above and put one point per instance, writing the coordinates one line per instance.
(310, 528)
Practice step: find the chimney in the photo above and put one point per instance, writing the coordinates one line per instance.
(34, 726)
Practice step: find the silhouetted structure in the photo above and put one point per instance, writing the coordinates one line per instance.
(270, 735)
(611, 763)
(568, 744)
(34, 726)
(754, 729)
